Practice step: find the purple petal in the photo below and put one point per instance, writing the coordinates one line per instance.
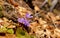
(20, 20)
(28, 15)
(24, 21)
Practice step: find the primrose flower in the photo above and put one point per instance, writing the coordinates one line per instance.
(28, 15)
(24, 21)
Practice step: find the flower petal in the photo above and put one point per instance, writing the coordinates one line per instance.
(20, 20)
(24, 21)
(28, 15)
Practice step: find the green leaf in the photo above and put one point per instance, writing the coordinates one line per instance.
(3, 29)
(11, 31)
(22, 34)
(32, 36)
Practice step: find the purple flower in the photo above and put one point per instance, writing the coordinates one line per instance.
(28, 15)
(21, 20)
(24, 21)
